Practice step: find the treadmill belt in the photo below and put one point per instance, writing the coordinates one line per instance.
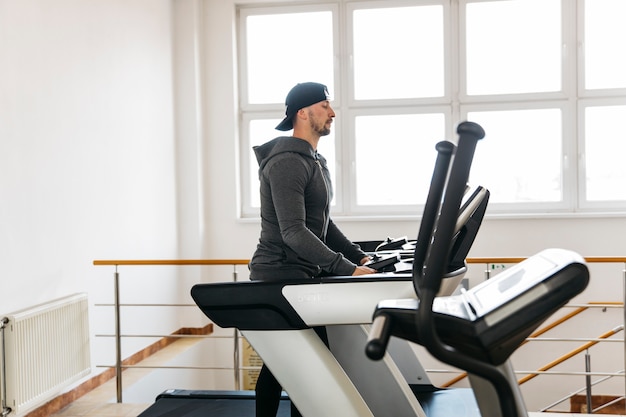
(457, 402)
(187, 403)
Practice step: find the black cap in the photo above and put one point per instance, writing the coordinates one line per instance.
(301, 96)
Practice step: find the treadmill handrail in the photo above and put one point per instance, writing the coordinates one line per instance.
(437, 253)
(439, 238)
(445, 150)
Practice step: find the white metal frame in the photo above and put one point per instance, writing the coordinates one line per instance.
(572, 98)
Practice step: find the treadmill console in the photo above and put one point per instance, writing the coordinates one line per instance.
(489, 321)
(384, 263)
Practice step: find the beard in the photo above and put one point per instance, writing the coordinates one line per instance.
(318, 126)
(323, 131)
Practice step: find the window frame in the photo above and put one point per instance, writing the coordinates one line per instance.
(572, 99)
(607, 206)
(350, 144)
(569, 156)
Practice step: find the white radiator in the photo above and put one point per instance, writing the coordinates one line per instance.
(46, 348)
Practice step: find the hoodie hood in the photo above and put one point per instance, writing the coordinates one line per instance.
(280, 145)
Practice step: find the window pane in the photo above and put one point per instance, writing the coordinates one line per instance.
(605, 43)
(513, 47)
(395, 156)
(277, 59)
(519, 160)
(262, 131)
(398, 53)
(604, 153)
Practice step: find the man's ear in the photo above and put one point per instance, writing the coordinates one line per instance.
(302, 114)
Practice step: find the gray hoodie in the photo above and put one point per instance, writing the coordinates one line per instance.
(298, 238)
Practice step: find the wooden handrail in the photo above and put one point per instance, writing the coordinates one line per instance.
(510, 260)
(494, 260)
(482, 260)
(538, 333)
(174, 262)
(568, 355)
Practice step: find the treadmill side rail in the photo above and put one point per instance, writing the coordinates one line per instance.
(309, 372)
(247, 305)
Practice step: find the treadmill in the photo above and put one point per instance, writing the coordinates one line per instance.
(275, 315)
(479, 329)
(272, 315)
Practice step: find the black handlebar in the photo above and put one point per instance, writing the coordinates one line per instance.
(445, 150)
(430, 254)
(440, 235)
(378, 338)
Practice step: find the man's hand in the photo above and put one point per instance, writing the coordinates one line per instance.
(363, 270)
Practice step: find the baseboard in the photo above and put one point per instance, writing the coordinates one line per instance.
(63, 400)
(578, 404)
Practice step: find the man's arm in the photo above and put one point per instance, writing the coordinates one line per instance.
(288, 178)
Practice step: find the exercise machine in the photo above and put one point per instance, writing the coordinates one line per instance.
(479, 329)
(277, 319)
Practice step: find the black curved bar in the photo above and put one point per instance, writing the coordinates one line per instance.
(445, 151)
(475, 331)
(437, 253)
(439, 241)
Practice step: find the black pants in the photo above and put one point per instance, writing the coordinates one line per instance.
(268, 390)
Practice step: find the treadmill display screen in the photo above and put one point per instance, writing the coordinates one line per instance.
(509, 284)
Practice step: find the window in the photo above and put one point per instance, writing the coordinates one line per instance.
(405, 43)
(604, 38)
(503, 56)
(524, 164)
(520, 160)
(604, 150)
(275, 57)
(404, 73)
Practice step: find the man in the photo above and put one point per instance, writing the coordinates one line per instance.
(298, 238)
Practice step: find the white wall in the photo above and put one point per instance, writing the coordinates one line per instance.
(118, 135)
(87, 144)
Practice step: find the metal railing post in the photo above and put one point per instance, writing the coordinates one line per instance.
(118, 339)
(624, 313)
(588, 381)
(236, 341)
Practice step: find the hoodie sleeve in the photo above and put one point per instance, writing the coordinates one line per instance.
(337, 241)
(288, 178)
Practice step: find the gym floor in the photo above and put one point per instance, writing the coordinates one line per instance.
(101, 402)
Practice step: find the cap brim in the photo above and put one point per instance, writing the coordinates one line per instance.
(286, 124)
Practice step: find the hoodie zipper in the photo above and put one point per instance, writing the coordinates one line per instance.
(325, 226)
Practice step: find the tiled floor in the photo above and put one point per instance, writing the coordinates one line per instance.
(92, 407)
(101, 402)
